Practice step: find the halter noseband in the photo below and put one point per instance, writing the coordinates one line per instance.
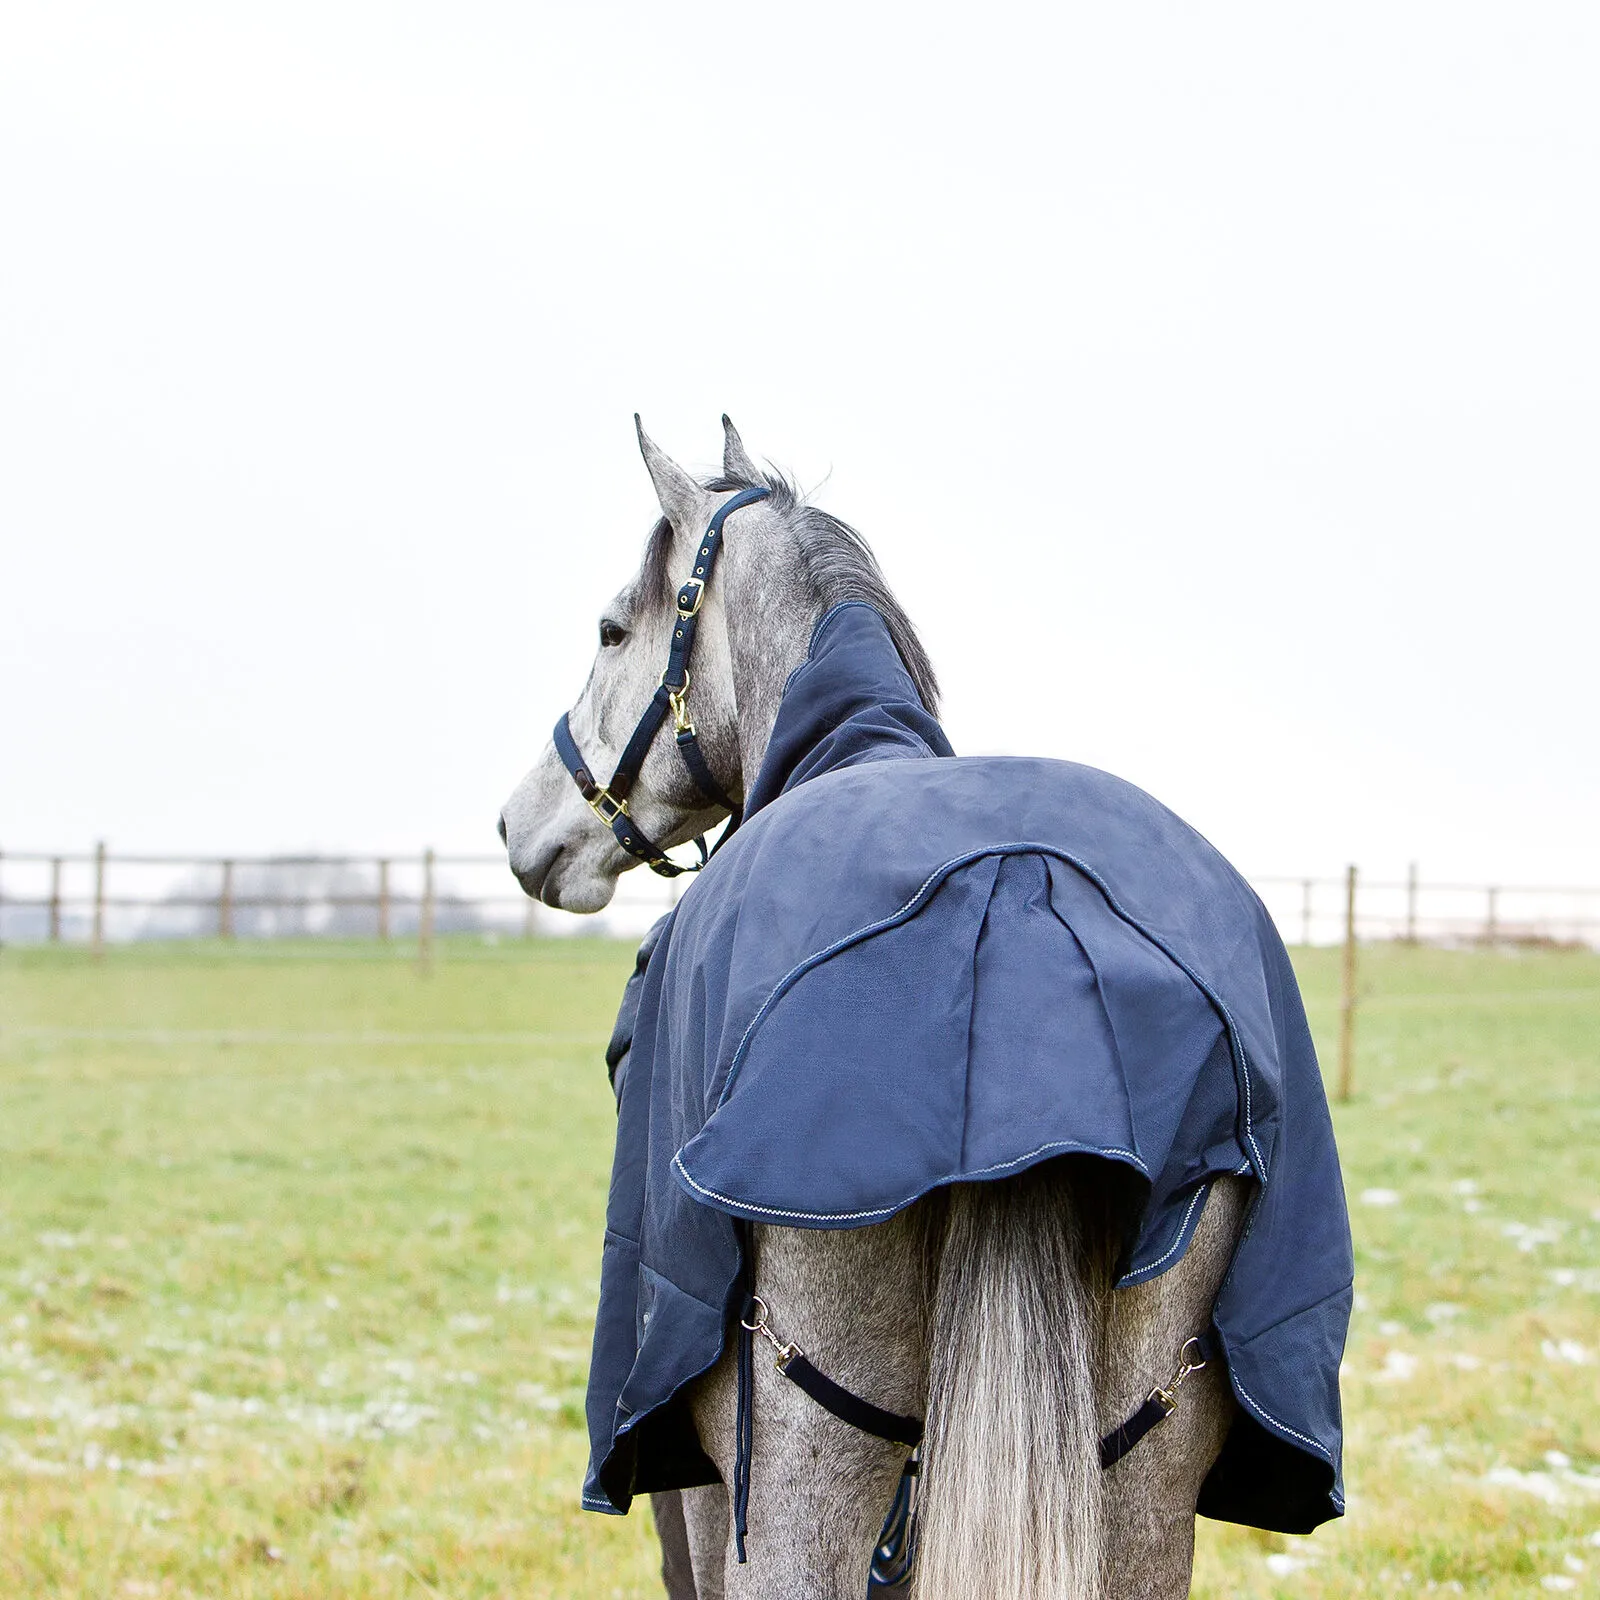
(610, 803)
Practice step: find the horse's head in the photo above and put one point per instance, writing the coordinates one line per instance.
(564, 838)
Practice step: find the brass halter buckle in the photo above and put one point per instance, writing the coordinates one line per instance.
(603, 798)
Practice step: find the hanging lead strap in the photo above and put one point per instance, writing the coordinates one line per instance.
(744, 1435)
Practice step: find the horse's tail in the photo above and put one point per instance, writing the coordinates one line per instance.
(1011, 1489)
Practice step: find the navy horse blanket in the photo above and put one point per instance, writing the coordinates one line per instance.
(908, 969)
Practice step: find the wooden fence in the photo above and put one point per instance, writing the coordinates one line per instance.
(95, 897)
(88, 898)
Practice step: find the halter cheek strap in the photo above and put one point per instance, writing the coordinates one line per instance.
(609, 802)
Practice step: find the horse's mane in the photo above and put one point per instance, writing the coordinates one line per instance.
(836, 562)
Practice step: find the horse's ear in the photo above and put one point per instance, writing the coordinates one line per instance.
(680, 496)
(735, 463)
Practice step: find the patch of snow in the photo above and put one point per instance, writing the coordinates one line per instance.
(1399, 1367)
(1568, 1351)
(1541, 1485)
(1585, 1278)
(1529, 1236)
(1550, 1487)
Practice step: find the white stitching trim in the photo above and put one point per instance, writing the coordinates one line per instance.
(900, 1205)
(1266, 1416)
(1019, 847)
(1177, 1244)
(593, 1503)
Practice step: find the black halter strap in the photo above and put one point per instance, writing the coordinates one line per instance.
(610, 802)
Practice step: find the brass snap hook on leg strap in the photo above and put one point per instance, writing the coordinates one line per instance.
(756, 1321)
(1161, 1402)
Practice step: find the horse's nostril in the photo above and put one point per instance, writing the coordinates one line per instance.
(503, 839)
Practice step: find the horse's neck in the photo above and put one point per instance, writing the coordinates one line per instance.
(771, 613)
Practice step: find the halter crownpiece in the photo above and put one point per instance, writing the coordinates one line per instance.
(610, 802)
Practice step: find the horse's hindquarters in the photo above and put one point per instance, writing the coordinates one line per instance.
(988, 1309)
(856, 1302)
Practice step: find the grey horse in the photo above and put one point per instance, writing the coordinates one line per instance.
(987, 1308)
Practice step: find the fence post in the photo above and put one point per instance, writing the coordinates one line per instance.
(225, 903)
(1411, 903)
(98, 935)
(383, 901)
(1347, 990)
(55, 900)
(1305, 912)
(425, 918)
(1491, 929)
(530, 918)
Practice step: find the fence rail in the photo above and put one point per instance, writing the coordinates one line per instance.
(96, 897)
(420, 896)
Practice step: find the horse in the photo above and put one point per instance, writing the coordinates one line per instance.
(998, 1313)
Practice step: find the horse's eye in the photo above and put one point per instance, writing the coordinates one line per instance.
(611, 634)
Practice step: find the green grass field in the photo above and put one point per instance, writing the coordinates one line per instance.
(298, 1252)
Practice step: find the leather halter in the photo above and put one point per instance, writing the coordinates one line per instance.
(610, 803)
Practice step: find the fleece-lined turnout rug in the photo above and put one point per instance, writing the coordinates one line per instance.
(908, 969)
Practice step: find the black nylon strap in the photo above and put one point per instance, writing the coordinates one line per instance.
(1120, 1441)
(705, 779)
(567, 749)
(1152, 1413)
(744, 1444)
(610, 803)
(638, 746)
(692, 592)
(611, 808)
(849, 1407)
(862, 1414)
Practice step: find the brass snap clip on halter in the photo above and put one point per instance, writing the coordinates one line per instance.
(676, 698)
(786, 1352)
(1166, 1396)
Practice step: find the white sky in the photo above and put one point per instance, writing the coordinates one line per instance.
(1219, 386)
